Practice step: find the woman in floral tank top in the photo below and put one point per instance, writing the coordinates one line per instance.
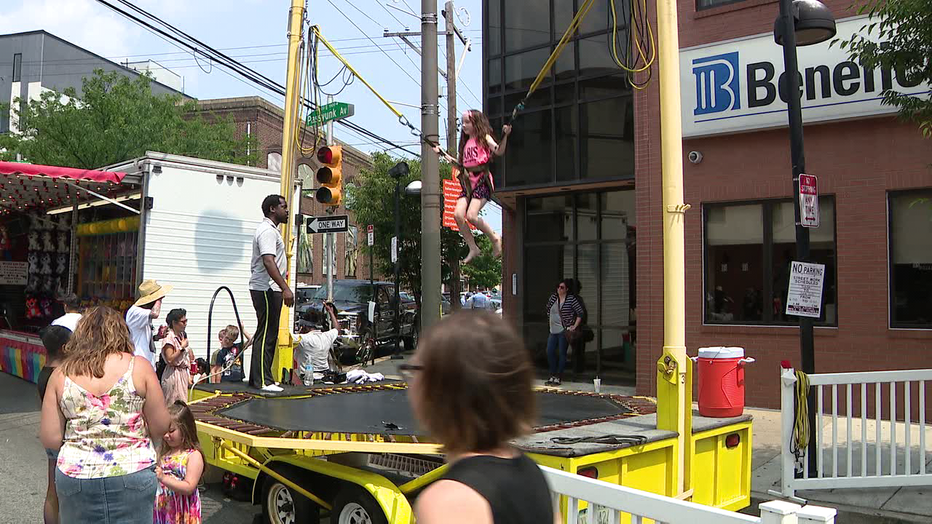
(100, 408)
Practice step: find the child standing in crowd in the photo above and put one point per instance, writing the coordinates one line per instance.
(54, 339)
(180, 466)
(227, 365)
(178, 358)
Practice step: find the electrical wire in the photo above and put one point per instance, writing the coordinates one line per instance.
(800, 441)
(237, 67)
(638, 12)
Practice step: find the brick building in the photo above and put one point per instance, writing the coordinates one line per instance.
(577, 186)
(260, 118)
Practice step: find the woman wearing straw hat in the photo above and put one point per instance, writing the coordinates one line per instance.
(140, 315)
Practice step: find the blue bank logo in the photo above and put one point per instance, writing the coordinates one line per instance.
(717, 85)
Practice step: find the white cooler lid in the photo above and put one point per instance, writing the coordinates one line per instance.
(721, 352)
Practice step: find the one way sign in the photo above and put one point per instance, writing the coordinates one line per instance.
(328, 224)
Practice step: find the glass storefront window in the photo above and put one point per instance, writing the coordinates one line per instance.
(567, 130)
(734, 255)
(562, 16)
(527, 24)
(740, 287)
(599, 17)
(493, 36)
(521, 69)
(595, 57)
(616, 277)
(587, 274)
(911, 259)
(551, 264)
(495, 75)
(565, 66)
(587, 212)
(607, 145)
(618, 209)
(549, 219)
(528, 161)
(603, 87)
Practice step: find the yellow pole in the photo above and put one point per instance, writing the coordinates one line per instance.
(674, 404)
(284, 352)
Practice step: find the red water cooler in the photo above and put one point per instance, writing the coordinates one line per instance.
(721, 381)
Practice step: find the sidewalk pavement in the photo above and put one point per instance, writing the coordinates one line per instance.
(855, 506)
(871, 505)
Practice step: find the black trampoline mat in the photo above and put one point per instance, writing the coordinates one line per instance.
(388, 412)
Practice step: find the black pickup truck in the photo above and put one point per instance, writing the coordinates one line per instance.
(360, 339)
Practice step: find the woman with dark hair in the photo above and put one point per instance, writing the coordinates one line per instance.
(100, 408)
(178, 358)
(470, 384)
(565, 314)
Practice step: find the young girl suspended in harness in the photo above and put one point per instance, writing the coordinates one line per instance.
(475, 158)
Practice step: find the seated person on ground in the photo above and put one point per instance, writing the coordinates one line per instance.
(314, 344)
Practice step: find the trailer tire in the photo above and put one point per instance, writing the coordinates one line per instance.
(353, 505)
(281, 505)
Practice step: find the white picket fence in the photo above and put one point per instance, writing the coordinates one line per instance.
(857, 450)
(608, 503)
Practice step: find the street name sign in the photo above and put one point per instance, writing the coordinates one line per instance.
(328, 112)
(804, 298)
(808, 201)
(328, 224)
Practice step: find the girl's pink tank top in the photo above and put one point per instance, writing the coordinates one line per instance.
(474, 154)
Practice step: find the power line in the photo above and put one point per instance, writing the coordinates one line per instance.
(238, 68)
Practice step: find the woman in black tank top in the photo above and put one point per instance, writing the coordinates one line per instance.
(470, 384)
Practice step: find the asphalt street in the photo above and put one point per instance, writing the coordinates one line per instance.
(23, 464)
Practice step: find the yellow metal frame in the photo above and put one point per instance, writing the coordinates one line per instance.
(729, 486)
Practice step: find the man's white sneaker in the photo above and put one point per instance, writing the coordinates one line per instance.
(272, 388)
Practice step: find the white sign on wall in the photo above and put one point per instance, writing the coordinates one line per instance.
(804, 298)
(13, 273)
(733, 86)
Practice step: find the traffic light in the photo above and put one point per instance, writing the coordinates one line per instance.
(330, 176)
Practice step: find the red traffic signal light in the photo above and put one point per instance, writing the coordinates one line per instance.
(330, 176)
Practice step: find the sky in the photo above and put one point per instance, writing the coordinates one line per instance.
(254, 32)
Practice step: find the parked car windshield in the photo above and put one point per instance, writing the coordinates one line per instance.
(346, 293)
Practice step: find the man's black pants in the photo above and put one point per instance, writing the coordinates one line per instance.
(268, 306)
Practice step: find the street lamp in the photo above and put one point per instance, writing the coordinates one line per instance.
(801, 22)
(399, 170)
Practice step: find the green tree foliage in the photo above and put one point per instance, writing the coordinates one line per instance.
(115, 118)
(371, 199)
(484, 271)
(905, 29)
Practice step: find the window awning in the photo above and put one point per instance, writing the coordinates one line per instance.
(16, 168)
(27, 187)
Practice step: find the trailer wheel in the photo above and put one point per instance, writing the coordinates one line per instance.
(353, 505)
(281, 505)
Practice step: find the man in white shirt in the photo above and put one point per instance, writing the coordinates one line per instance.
(314, 347)
(140, 315)
(268, 289)
(72, 312)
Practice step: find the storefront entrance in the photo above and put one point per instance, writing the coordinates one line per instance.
(589, 237)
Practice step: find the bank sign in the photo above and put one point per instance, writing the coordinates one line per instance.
(733, 86)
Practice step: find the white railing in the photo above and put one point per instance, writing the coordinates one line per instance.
(608, 503)
(855, 449)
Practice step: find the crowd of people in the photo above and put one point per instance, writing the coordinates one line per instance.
(122, 443)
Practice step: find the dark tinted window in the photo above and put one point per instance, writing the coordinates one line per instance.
(521, 69)
(567, 130)
(595, 55)
(529, 146)
(911, 259)
(494, 35)
(549, 219)
(607, 145)
(17, 67)
(527, 23)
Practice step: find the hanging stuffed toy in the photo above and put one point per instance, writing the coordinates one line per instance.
(46, 264)
(32, 309)
(32, 283)
(6, 245)
(33, 260)
(34, 240)
(46, 306)
(62, 265)
(64, 222)
(47, 243)
(63, 245)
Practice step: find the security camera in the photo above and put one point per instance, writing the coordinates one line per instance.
(695, 157)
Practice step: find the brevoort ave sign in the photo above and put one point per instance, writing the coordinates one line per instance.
(733, 86)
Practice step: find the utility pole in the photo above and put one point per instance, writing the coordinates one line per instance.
(330, 209)
(284, 352)
(452, 144)
(431, 203)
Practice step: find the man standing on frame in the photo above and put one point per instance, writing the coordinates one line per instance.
(268, 289)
